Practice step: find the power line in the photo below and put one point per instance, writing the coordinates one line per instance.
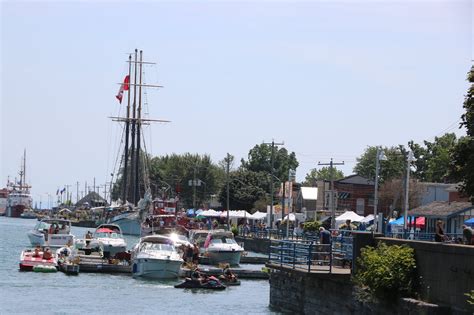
(331, 204)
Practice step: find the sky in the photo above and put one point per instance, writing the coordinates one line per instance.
(327, 78)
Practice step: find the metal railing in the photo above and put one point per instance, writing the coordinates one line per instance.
(277, 234)
(310, 255)
(424, 236)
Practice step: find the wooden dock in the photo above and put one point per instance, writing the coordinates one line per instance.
(243, 260)
(91, 263)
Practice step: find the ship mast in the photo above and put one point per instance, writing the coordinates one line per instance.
(137, 121)
(127, 131)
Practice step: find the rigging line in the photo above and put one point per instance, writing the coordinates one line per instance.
(145, 104)
(116, 142)
(118, 155)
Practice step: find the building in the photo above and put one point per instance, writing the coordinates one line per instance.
(355, 193)
(453, 214)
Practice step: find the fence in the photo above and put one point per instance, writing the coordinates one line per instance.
(310, 255)
(423, 236)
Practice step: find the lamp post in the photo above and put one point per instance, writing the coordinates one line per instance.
(379, 157)
(410, 159)
(291, 178)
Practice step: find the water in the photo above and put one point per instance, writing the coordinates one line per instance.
(89, 293)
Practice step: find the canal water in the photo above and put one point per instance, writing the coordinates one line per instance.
(89, 293)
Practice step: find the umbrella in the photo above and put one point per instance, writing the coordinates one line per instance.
(470, 222)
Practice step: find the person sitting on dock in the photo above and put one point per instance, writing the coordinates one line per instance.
(228, 275)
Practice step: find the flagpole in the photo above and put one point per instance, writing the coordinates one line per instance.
(137, 192)
(134, 113)
(127, 131)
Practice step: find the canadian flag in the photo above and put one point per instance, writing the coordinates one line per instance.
(123, 87)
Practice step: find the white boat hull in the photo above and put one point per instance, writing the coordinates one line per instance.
(229, 257)
(156, 268)
(54, 240)
(128, 223)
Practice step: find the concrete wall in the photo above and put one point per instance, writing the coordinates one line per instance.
(446, 271)
(257, 245)
(293, 291)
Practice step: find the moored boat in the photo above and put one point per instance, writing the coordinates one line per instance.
(39, 258)
(28, 214)
(51, 232)
(110, 236)
(155, 256)
(221, 247)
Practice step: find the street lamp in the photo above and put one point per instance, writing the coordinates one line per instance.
(379, 157)
(410, 159)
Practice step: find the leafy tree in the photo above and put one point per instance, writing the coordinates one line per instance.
(175, 172)
(393, 167)
(463, 155)
(322, 174)
(259, 160)
(439, 158)
(245, 189)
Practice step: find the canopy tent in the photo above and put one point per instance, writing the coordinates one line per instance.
(259, 215)
(419, 222)
(470, 222)
(236, 214)
(367, 219)
(210, 213)
(349, 215)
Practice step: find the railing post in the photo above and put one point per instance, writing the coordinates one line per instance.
(294, 254)
(330, 255)
(281, 254)
(310, 249)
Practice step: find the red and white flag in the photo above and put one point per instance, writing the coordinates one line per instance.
(123, 87)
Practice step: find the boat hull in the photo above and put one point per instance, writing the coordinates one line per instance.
(28, 262)
(230, 257)
(127, 225)
(156, 268)
(15, 211)
(54, 240)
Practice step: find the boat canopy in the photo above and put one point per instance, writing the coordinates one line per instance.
(157, 239)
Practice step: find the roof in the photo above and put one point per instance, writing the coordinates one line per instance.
(309, 193)
(92, 198)
(441, 209)
(357, 180)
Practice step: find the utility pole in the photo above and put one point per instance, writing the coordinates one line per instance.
(194, 189)
(332, 201)
(227, 180)
(271, 179)
(94, 184)
(77, 192)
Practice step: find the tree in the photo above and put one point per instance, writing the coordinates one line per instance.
(393, 167)
(245, 189)
(462, 165)
(259, 160)
(392, 195)
(322, 174)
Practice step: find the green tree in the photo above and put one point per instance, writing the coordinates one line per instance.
(393, 167)
(245, 189)
(438, 158)
(463, 155)
(259, 160)
(171, 174)
(322, 174)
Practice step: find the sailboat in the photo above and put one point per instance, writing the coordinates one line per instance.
(137, 209)
(19, 198)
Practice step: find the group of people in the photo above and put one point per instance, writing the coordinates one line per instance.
(467, 234)
(46, 254)
(190, 253)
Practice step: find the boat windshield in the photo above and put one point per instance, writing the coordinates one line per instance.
(157, 246)
(107, 235)
(223, 240)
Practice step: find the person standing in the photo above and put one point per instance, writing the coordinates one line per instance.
(467, 235)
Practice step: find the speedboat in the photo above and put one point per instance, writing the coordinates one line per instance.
(51, 232)
(28, 214)
(221, 247)
(31, 259)
(110, 236)
(155, 256)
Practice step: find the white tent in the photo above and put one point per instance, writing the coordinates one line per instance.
(367, 219)
(348, 215)
(210, 213)
(259, 215)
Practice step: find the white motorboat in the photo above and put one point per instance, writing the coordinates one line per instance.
(52, 233)
(221, 247)
(155, 256)
(111, 238)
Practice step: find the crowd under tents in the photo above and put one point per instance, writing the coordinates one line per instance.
(470, 222)
(418, 222)
(233, 214)
(348, 215)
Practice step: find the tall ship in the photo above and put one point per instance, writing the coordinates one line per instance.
(19, 198)
(3, 200)
(135, 194)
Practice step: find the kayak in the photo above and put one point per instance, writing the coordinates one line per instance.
(196, 284)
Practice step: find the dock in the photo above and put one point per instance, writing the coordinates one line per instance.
(240, 273)
(243, 260)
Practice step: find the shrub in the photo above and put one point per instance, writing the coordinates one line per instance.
(312, 226)
(386, 272)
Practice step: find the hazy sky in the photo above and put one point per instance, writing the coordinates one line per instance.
(328, 79)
